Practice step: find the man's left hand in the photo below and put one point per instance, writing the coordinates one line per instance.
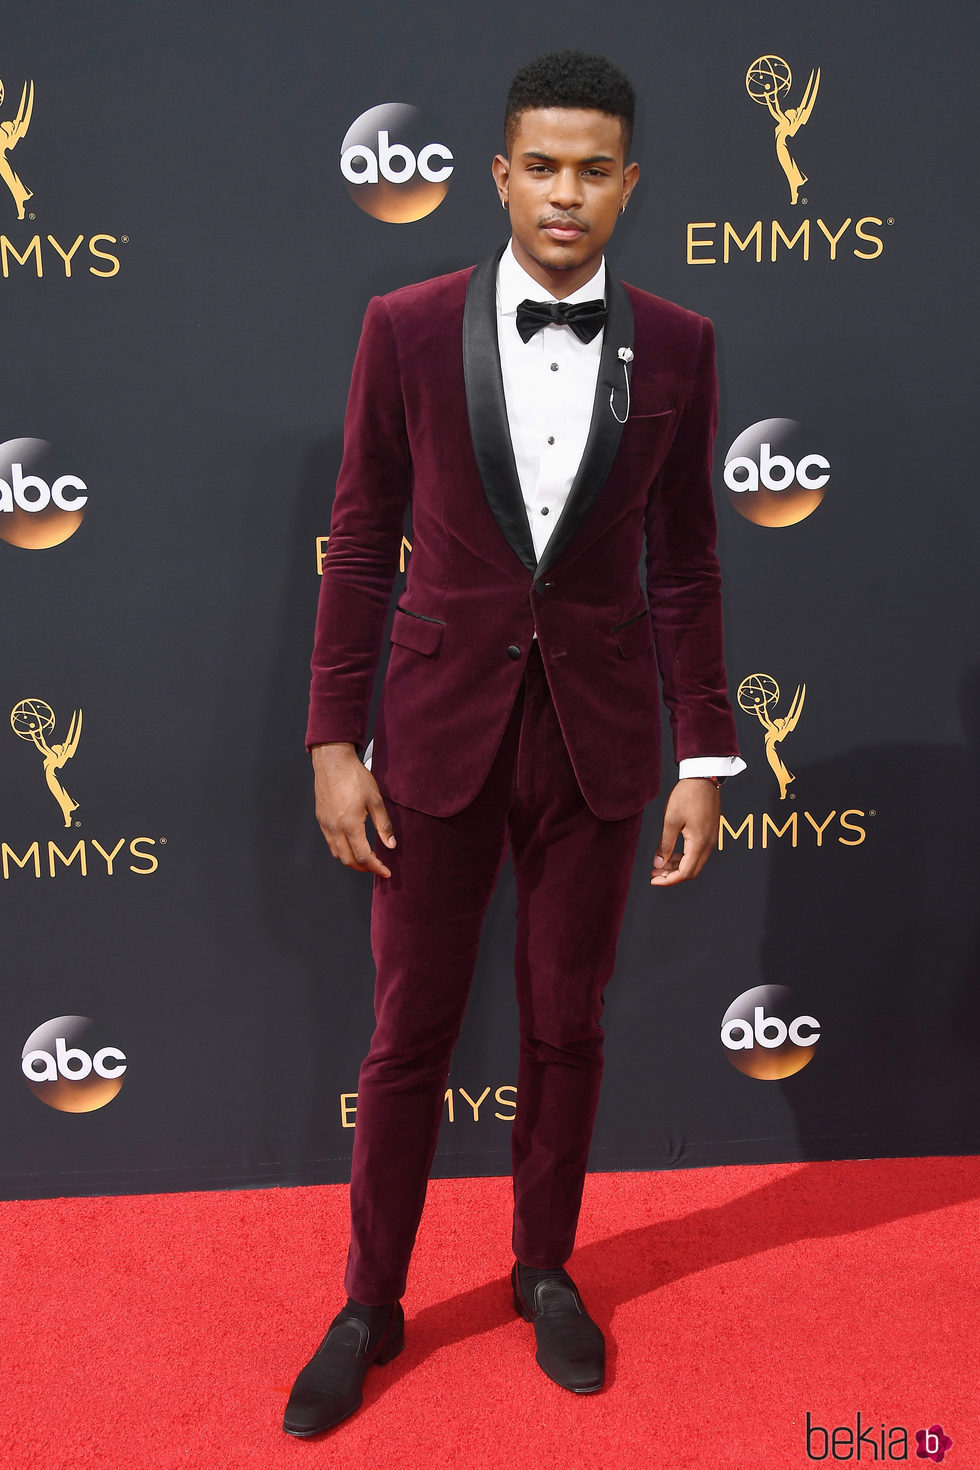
(693, 810)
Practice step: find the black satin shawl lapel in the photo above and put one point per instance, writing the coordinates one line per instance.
(487, 410)
(605, 430)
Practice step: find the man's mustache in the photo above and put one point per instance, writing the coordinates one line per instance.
(561, 221)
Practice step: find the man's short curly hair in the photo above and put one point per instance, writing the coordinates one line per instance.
(571, 79)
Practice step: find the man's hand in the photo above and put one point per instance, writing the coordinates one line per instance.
(693, 809)
(346, 794)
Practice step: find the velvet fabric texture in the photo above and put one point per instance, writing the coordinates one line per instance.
(520, 704)
(463, 630)
(572, 874)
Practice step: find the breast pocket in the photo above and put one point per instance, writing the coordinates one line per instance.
(638, 416)
(646, 439)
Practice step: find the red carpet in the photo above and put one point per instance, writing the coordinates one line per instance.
(163, 1331)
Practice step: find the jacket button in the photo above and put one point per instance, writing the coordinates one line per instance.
(513, 651)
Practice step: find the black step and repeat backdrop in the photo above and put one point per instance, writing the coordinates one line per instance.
(196, 204)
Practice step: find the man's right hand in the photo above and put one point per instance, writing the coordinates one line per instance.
(346, 794)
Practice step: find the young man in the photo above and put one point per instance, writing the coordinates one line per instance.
(545, 420)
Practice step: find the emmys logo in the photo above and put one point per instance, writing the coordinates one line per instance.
(40, 504)
(758, 694)
(39, 251)
(774, 489)
(504, 1096)
(322, 542)
(767, 80)
(67, 1071)
(712, 242)
(765, 1037)
(33, 719)
(11, 133)
(398, 181)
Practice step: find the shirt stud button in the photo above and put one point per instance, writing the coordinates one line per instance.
(551, 439)
(554, 367)
(544, 510)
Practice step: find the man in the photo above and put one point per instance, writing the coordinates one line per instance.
(543, 419)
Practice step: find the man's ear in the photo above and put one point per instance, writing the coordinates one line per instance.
(630, 175)
(500, 168)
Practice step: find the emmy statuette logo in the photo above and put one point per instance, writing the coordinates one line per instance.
(22, 857)
(11, 132)
(767, 81)
(796, 239)
(29, 249)
(790, 826)
(34, 720)
(758, 695)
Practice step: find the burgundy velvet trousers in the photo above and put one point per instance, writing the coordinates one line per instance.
(572, 874)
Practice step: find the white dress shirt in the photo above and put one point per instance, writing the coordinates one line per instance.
(549, 386)
(549, 389)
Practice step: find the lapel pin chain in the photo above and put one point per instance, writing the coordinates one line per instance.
(625, 356)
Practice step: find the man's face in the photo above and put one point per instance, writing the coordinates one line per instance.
(564, 183)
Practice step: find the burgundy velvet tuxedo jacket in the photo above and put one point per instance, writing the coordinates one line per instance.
(426, 424)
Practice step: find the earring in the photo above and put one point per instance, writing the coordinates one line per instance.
(503, 203)
(622, 209)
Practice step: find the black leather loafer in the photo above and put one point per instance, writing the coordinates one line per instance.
(571, 1348)
(329, 1387)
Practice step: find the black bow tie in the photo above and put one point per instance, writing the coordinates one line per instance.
(586, 318)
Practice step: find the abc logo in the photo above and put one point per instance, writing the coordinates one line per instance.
(769, 479)
(765, 1036)
(67, 1068)
(390, 168)
(41, 502)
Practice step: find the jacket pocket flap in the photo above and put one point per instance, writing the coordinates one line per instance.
(636, 637)
(411, 630)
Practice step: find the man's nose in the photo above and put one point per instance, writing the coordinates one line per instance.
(566, 189)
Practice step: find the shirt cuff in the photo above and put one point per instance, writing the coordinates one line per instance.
(710, 765)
